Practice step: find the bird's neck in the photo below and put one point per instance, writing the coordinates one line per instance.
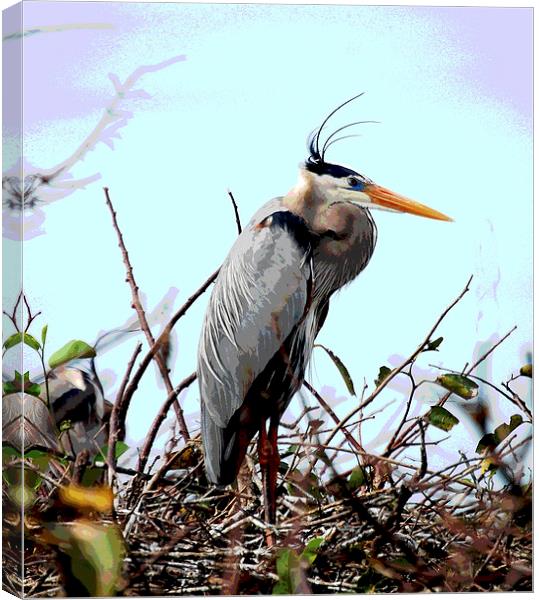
(303, 199)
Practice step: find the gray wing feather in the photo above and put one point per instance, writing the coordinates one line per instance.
(259, 297)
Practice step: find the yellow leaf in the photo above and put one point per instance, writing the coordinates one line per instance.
(488, 464)
(87, 499)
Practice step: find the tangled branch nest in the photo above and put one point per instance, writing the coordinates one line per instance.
(389, 524)
(391, 533)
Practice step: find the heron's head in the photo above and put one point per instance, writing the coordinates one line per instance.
(324, 186)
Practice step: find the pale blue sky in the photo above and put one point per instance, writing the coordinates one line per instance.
(452, 89)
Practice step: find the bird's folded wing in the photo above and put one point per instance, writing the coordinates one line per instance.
(259, 297)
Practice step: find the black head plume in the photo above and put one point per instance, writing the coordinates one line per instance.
(316, 161)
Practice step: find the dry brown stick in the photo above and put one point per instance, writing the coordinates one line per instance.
(180, 313)
(187, 304)
(137, 305)
(404, 364)
(404, 418)
(152, 433)
(131, 388)
(133, 384)
(350, 438)
(117, 416)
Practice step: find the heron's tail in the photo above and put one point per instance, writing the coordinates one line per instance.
(224, 448)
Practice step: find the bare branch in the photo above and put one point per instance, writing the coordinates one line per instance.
(152, 433)
(137, 305)
(117, 417)
(236, 212)
(400, 367)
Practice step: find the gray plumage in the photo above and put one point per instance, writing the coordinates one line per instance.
(267, 306)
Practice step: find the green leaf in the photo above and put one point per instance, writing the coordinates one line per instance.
(526, 370)
(13, 340)
(39, 458)
(342, 369)
(29, 387)
(9, 388)
(92, 475)
(44, 334)
(310, 552)
(489, 464)
(458, 384)
(21, 383)
(19, 337)
(288, 570)
(486, 443)
(382, 375)
(290, 565)
(433, 345)
(356, 479)
(9, 453)
(34, 389)
(503, 430)
(515, 421)
(71, 350)
(31, 341)
(119, 449)
(490, 440)
(441, 418)
(21, 495)
(94, 554)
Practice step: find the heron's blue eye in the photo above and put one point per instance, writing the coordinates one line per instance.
(355, 183)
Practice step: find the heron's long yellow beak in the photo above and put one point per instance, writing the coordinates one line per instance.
(388, 199)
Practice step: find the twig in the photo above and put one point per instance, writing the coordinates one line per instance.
(405, 416)
(137, 305)
(236, 212)
(350, 438)
(410, 434)
(488, 352)
(81, 461)
(31, 317)
(152, 433)
(117, 417)
(135, 380)
(517, 400)
(399, 368)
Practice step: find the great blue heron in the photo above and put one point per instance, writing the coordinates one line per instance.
(272, 297)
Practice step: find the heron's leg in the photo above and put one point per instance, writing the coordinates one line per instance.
(264, 456)
(273, 468)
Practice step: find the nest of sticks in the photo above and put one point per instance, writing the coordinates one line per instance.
(389, 524)
(394, 533)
